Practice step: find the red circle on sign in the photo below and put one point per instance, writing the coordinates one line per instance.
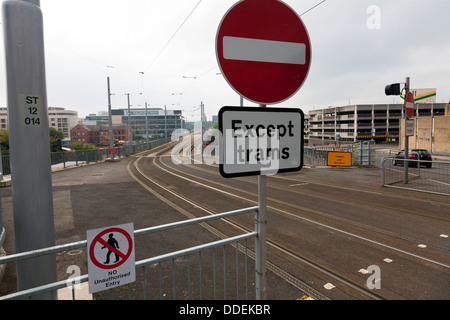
(124, 257)
(409, 105)
(280, 28)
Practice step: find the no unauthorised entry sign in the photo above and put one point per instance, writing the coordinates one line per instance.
(111, 261)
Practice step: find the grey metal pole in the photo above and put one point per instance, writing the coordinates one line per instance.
(260, 246)
(130, 132)
(111, 136)
(202, 115)
(146, 125)
(405, 165)
(2, 230)
(165, 122)
(29, 141)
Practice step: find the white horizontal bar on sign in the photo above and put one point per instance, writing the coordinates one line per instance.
(247, 49)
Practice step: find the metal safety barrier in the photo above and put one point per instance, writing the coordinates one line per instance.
(66, 159)
(423, 176)
(197, 283)
(318, 157)
(363, 154)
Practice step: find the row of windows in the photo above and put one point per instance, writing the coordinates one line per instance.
(106, 132)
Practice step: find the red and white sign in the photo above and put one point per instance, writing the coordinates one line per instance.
(263, 50)
(409, 105)
(111, 261)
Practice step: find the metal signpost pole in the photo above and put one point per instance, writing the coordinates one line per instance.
(261, 269)
(29, 141)
(146, 125)
(406, 136)
(111, 136)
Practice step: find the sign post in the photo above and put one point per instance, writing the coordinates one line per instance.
(409, 99)
(111, 261)
(264, 53)
(29, 142)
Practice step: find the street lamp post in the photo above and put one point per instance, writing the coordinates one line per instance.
(130, 133)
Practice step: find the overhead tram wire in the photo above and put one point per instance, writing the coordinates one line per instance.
(173, 36)
(313, 7)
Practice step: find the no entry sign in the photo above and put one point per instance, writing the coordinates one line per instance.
(409, 105)
(111, 261)
(263, 50)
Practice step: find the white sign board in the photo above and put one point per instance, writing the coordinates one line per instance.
(409, 128)
(111, 261)
(260, 141)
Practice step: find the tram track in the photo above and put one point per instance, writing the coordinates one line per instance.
(220, 187)
(158, 163)
(339, 198)
(296, 282)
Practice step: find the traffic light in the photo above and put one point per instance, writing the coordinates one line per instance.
(392, 89)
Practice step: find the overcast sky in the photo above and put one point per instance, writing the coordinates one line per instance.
(154, 49)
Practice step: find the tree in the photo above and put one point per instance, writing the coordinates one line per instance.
(81, 146)
(55, 139)
(4, 141)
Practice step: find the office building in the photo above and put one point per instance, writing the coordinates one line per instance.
(160, 122)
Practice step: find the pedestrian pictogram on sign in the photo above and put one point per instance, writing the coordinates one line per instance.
(111, 261)
(113, 246)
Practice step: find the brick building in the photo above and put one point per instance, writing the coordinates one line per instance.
(97, 134)
(431, 133)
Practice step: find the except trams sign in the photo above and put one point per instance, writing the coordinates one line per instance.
(258, 141)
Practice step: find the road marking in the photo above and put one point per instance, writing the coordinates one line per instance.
(363, 271)
(387, 260)
(298, 184)
(247, 49)
(444, 236)
(422, 245)
(329, 286)
(447, 184)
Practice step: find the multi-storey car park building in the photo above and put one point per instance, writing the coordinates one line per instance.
(348, 124)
